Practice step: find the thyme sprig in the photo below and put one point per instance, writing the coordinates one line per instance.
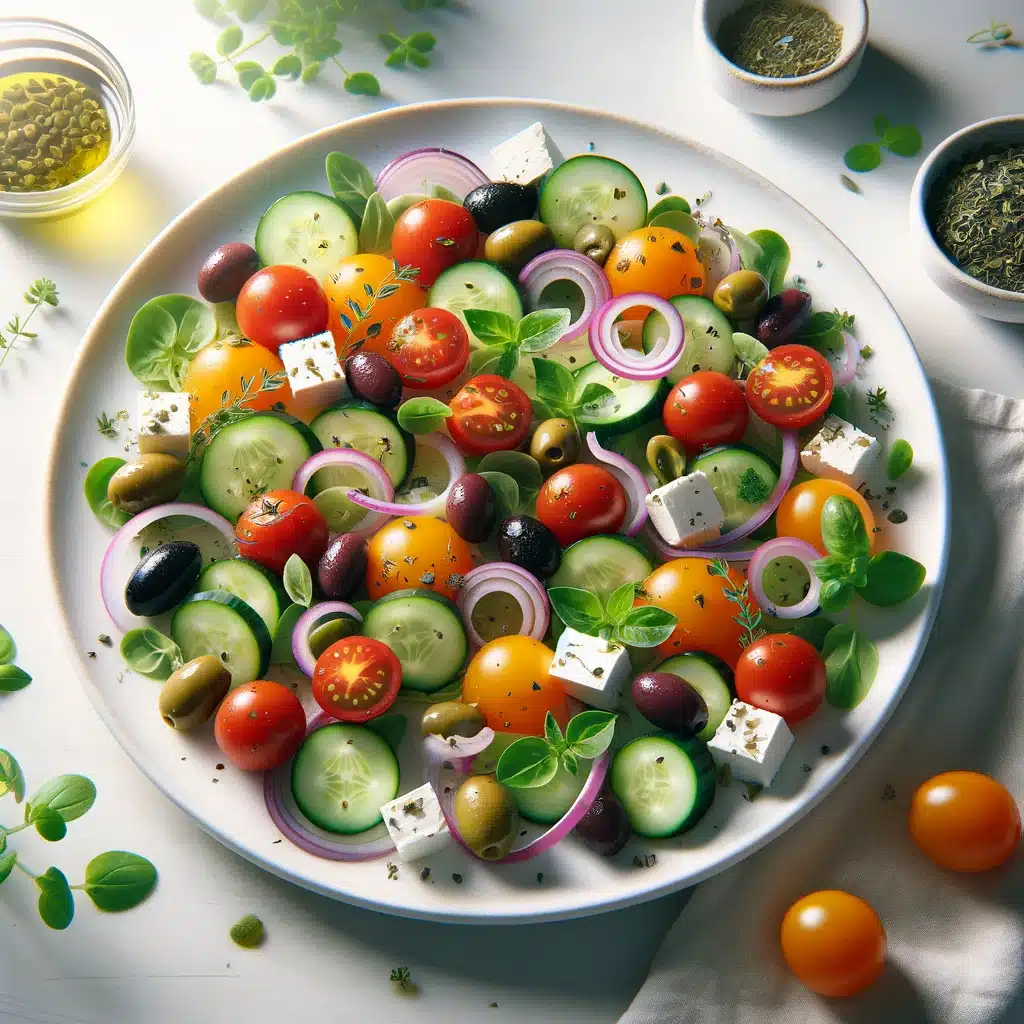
(749, 617)
(41, 291)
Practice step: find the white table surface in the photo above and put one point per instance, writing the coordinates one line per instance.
(171, 960)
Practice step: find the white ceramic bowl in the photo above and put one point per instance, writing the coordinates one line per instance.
(780, 97)
(995, 303)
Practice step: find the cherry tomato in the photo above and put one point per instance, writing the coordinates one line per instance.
(356, 679)
(280, 304)
(657, 260)
(510, 681)
(965, 821)
(833, 942)
(579, 501)
(799, 513)
(782, 673)
(429, 348)
(259, 725)
(489, 414)
(706, 409)
(279, 524)
(417, 551)
(791, 387)
(434, 235)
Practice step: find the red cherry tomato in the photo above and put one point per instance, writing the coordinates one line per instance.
(357, 679)
(791, 387)
(280, 524)
(280, 304)
(489, 414)
(781, 673)
(706, 409)
(434, 235)
(259, 725)
(579, 501)
(429, 348)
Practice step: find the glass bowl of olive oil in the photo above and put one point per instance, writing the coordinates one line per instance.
(67, 118)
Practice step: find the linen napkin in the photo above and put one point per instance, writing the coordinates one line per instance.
(955, 942)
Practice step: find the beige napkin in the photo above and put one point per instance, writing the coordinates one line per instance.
(955, 942)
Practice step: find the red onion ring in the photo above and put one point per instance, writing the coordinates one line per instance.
(369, 524)
(781, 547)
(668, 553)
(567, 265)
(112, 588)
(633, 483)
(511, 579)
(607, 346)
(718, 255)
(414, 170)
(308, 621)
(845, 374)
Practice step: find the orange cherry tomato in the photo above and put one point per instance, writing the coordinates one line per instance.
(579, 501)
(791, 387)
(833, 942)
(656, 260)
(799, 514)
(510, 681)
(417, 551)
(965, 821)
(783, 674)
(357, 679)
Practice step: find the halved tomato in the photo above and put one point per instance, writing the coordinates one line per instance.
(489, 414)
(429, 348)
(791, 387)
(357, 679)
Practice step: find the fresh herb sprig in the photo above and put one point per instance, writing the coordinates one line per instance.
(615, 622)
(559, 395)
(878, 407)
(401, 978)
(41, 292)
(507, 337)
(901, 139)
(11, 677)
(995, 35)
(749, 616)
(824, 330)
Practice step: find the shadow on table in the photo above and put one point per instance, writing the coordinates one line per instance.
(894, 997)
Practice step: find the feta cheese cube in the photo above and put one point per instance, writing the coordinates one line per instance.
(592, 670)
(752, 742)
(528, 156)
(686, 510)
(163, 423)
(314, 371)
(416, 823)
(840, 451)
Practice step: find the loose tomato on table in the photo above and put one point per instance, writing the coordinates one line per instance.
(356, 679)
(799, 512)
(706, 409)
(280, 304)
(429, 348)
(419, 552)
(781, 673)
(279, 524)
(580, 501)
(791, 387)
(434, 235)
(259, 725)
(489, 414)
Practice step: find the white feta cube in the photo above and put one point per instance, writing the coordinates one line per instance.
(528, 156)
(840, 451)
(416, 823)
(592, 670)
(163, 423)
(686, 510)
(314, 370)
(752, 742)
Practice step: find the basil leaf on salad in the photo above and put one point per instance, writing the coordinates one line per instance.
(556, 386)
(422, 415)
(350, 182)
(377, 226)
(620, 602)
(749, 351)
(835, 595)
(164, 335)
(523, 468)
(508, 361)
(851, 663)
(95, 487)
(569, 762)
(490, 326)
(506, 493)
(589, 734)
(842, 528)
(552, 734)
(645, 627)
(541, 329)
(578, 609)
(526, 764)
(774, 259)
(298, 581)
(892, 578)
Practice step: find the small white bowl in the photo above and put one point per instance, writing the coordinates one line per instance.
(780, 97)
(994, 303)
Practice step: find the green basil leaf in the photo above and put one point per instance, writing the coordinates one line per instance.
(56, 902)
(646, 627)
(668, 204)
(619, 602)
(95, 487)
(508, 361)
(553, 734)
(69, 795)
(196, 329)
(118, 880)
(298, 581)
(483, 360)
(851, 663)
(543, 328)
(835, 595)
(281, 653)
(578, 609)
(597, 401)
(506, 493)
(859, 570)
(813, 628)
(422, 415)
(526, 764)
(679, 221)
(12, 780)
(377, 226)
(892, 578)
(842, 528)
(831, 568)
(589, 734)
(440, 192)
(523, 468)
(902, 139)
(350, 181)
(569, 762)
(150, 653)
(775, 256)
(7, 647)
(864, 157)
(149, 350)
(49, 824)
(490, 326)
(901, 458)
(555, 384)
(13, 678)
(750, 252)
(7, 862)
(749, 352)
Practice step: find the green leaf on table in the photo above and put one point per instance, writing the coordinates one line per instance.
(901, 458)
(892, 578)
(589, 734)
(578, 609)
(56, 902)
(203, 67)
(8, 650)
(864, 157)
(749, 351)
(902, 139)
(13, 678)
(69, 795)
(377, 226)
(556, 386)
(249, 72)
(288, 66)
(422, 41)
(773, 263)
(229, 40)
(262, 89)
(842, 528)
(362, 83)
(12, 780)
(95, 487)
(349, 181)
(422, 415)
(526, 764)
(151, 653)
(835, 595)
(248, 10)
(506, 493)
(543, 328)
(646, 627)
(298, 581)
(49, 824)
(310, 72)
(247, 932)
(490, 326)
(7, 862)
(553, 734)
(118, 880)
(851, 663)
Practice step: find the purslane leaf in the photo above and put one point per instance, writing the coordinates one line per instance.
(12, 780)
(118, 880)
(56, 902)
(69, 795)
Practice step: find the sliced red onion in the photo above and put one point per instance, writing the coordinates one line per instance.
(667, 552)
(511, 579)
(633, 483)
(567, 265)
(607, 346)
(460, 751)
(378, 475)
(418, 169)
(845, 374)
(718, 255)
(783, 547)
(112, 587)
(308, 621)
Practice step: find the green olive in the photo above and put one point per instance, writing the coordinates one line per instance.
(191, 694)
(487, 817)
(513, 246)
(595, 241)
(666, 457)
(452, 718)
(742, 294)
(331, 632)
(151, 479)
(556, 443)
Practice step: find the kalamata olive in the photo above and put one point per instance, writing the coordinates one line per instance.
(666, 457)
(784, 314)
(373, 379)
(225, 270)
(499, 203)
(513, 246)
(595, 241)
(742, 294)
(330, 632)
(342, 566)
(486, 815)
(191, 694)
(529, 543)
(163, 578)
(452, 718)
(670, 703)
(556, 443)
(605, 827)
(471, 508)
(151, 479)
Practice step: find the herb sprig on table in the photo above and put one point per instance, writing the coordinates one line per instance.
(901, 139)
(11, 677)
(41, 292)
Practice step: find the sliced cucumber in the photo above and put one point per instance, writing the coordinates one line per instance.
(705, 674)
(259, 588)
(737, 473)
(218, 623)
(664, 782)
(251, 457)
(592, 190)
(341, 777)
(636, 401)
(708, 337)
(475, 285)
(544, 805)
(425, 631)
(360, 425)
(308, 230)
(601, 564)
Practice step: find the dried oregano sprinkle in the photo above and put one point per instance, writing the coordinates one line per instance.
(780, 39)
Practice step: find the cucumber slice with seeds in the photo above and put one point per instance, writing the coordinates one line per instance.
(475, 285)
(738, 475)
(259, 588)
(708, 337)
(307, 230)
(360, 425)
(636, 401)
(601, 564)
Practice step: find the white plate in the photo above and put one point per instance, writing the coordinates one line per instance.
(228, 803)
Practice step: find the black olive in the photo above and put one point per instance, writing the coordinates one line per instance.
(529, 543)
(499, 203)
(471, 508)
(163, 578)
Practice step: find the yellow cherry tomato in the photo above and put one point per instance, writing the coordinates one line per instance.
(419, 552)
(656, 260)
(799, 514)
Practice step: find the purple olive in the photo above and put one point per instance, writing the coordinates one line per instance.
(670, 703)
(342, 566)
(225, 270)
(372, 378)
(471, 509)
(784, 314)
(605, 826)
